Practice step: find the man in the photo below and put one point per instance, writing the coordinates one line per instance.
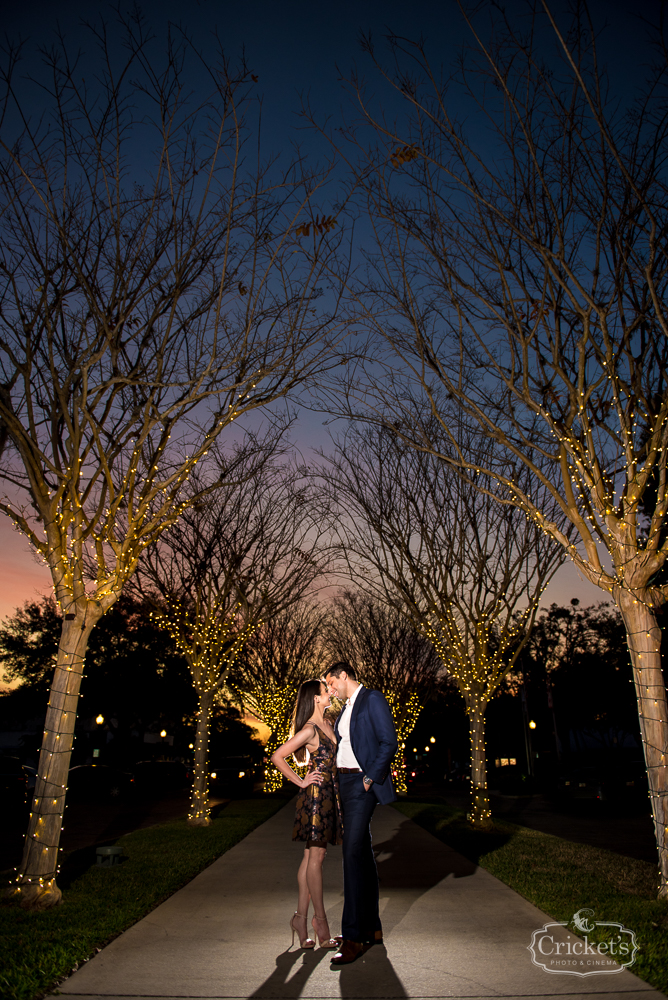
(367, 743)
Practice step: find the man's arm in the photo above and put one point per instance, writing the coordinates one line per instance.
(386, 735)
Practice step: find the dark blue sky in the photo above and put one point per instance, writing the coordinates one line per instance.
(295, 45)
(298, 47)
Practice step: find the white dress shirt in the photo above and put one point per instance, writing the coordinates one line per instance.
(344, 755)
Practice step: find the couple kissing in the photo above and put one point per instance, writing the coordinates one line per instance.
(348, 774)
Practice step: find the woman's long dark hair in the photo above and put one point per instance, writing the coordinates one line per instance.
(303, 712)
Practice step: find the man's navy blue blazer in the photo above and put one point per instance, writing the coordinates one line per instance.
(374, 741)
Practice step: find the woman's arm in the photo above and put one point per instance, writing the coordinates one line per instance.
(300, 739)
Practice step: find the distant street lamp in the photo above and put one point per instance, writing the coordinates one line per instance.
(432, 739)
(100, 719)
(527, 729)
(163, 733)
(532, 725)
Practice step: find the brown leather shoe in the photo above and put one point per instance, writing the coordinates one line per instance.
(349, 951)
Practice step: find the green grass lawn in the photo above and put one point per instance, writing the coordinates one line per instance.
(561, 877)
(39, 949)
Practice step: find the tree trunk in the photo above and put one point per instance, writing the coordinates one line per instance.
(405, 717)
(36, 882)
(480, 814)
(273, 779)
(200, 814)
(644, 640)
(398, 766)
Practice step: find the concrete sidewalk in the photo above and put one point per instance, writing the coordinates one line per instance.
(451, 930)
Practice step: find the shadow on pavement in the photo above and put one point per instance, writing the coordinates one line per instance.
(456, 833)
(293, 970)
(410, 864)
(424, 870)
(372, 975)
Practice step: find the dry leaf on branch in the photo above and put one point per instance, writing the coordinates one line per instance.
(404, 154)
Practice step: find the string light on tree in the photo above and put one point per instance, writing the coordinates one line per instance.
(210, 635)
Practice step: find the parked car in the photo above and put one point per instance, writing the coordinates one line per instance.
(155, 777)
(97, 781)
(13, 782)
(232, 775)
(418, 773)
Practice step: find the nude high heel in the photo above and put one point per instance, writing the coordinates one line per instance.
(324, 942)
(303, 942)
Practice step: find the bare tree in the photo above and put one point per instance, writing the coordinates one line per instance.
(244, 554)
(285, 650)
(389, 654)
(154, 286)
(468, 571)
(520, 270)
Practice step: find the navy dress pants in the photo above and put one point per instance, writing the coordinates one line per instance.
(360, 919)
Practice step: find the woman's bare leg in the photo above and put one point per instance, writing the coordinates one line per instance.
(304, 896)
(301, 920)
(316, 856)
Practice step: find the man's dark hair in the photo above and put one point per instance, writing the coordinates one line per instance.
(337, 669)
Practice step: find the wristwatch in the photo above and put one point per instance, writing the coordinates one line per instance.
(367, 781)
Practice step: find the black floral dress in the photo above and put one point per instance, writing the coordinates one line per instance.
(318, 815)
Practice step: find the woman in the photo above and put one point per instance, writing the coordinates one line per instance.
(318, 819)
